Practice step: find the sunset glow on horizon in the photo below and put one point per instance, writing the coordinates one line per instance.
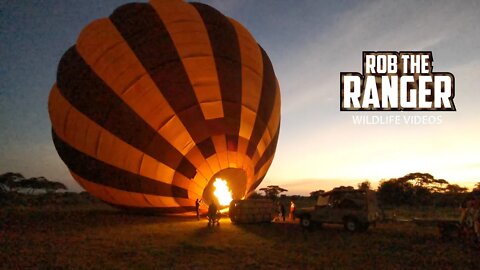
(350, 154)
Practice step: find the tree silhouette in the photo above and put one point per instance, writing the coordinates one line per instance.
(315, 193)
(272, 192)
(365, 185)
(54, 186)
(395, 191)
(477, 186)
(454, 188)
(440, 183)
(16, 181)
(423, 181)
(416, 188)
(8, 181)
(40, 183)
(255, 195)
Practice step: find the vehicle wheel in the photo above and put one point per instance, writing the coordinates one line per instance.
(305, 222)
(351, 225)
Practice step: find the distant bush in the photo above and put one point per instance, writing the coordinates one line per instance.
(12, 182)
(64, 198)
(417, 189)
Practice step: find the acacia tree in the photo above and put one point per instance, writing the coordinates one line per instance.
(395, 191)
(412, 188)
(54, 186)
(454, 188)
(315, 193)
(15, 181)
(477, 186)
(416, 188)
(272, 192)
(39, 183)
(8, 181)
(420, 179)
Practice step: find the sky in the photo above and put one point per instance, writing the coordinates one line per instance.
(309, 43)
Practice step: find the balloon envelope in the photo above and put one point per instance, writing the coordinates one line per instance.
(154, 102)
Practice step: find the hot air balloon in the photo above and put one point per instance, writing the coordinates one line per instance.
(155, 102)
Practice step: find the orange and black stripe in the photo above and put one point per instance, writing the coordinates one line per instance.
(265, 107)
(155, 100)
(102, 173)
(146, 34)
(101, 105)
(226, 51)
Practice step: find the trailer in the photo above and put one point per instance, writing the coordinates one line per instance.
(251, 211)
(447, 228)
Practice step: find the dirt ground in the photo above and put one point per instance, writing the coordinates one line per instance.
(104, 238)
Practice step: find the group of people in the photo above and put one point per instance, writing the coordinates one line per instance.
(213, 214)
(282, 211)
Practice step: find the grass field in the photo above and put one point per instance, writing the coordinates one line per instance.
(98, 237)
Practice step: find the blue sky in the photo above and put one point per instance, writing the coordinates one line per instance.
(309, 43)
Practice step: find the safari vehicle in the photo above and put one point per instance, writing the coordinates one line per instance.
(355, 209)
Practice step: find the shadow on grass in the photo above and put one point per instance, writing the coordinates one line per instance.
(294, 234)
(290, 232)
(79, 219)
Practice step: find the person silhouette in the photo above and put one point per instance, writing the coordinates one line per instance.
(212, 214)
(197, 208)
(282, 210)
(292, 210)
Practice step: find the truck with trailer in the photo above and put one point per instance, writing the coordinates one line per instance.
(355, 209)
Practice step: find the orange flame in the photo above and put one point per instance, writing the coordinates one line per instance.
(222, 192)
